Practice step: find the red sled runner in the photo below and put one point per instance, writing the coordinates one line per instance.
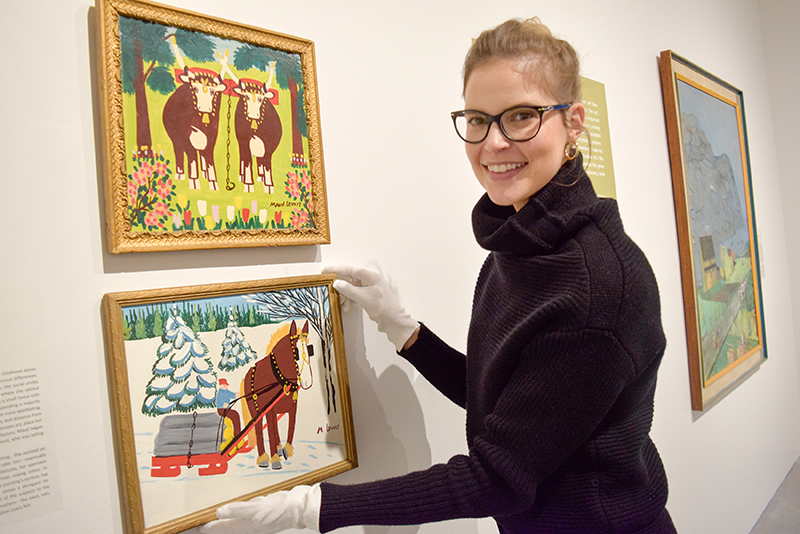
(270, 389)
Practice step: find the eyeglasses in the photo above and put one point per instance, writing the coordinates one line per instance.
(520, 123)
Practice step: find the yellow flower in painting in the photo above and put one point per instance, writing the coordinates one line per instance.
(182, 200)
(238, 202)
(210, 222)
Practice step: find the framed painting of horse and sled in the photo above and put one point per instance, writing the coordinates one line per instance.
(224, 392)
(211, 132)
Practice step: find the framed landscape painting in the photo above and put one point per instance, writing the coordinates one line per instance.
(717, 233)
(211, 132)
(224, 392)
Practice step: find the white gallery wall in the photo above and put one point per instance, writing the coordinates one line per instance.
(400, 194)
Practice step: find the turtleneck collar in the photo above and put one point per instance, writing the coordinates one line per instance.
(536, 228)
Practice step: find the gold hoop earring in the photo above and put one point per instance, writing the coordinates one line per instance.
(571, 150)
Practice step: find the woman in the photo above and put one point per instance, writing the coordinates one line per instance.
(564, 343)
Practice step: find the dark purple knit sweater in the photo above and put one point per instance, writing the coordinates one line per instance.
(564, 346)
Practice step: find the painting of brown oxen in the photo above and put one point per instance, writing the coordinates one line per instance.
(191, 120)
(258, 131)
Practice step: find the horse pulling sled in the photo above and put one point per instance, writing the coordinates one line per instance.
(269, 389)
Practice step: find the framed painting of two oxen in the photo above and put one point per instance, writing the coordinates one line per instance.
(224, 392)
(717, 234)
(211, 132)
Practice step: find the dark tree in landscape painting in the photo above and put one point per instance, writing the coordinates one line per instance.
(146, 58)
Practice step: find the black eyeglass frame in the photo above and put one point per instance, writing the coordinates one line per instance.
(496, 118)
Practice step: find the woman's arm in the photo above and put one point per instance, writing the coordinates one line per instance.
(443, 366)
(562, 390)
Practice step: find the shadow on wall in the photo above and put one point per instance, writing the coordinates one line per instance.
(388, 445)
(205, 259)
(388, 418)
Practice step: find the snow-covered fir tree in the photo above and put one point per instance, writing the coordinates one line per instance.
(236, 351)
(183, 375)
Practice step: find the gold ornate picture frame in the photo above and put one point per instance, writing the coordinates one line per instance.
(224, 392)
(717, 235)
(211, 132)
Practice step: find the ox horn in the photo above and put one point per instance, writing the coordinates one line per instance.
(223, 60)
(176, 50)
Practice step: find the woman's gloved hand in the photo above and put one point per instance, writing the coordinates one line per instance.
(297, 508)
(368, 290)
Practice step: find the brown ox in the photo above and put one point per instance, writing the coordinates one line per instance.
(191, 119)
(258, 130)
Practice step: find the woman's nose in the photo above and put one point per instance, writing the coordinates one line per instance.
(495, 139)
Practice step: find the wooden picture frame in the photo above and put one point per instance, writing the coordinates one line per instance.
(195, 372)
(717, 234)
(211, 132)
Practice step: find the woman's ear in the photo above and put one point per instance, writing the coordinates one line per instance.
(575, 119)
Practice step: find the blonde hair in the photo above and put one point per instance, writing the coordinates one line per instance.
(549, 62)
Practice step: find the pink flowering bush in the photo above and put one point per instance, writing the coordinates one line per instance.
(292, 185)
(150, 190)
(299, 218)
(298, 187)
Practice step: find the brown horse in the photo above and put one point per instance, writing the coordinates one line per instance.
(270, 388)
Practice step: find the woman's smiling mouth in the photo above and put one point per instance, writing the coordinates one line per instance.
(503, 167)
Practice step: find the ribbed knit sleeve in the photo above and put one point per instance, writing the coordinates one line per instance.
(443, 366)
(550, 407)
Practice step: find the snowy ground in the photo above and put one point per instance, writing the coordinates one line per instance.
(170, 498)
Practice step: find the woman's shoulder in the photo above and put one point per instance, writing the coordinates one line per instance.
(598, 230)
(623, 288)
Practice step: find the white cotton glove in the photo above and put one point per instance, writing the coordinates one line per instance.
(368, 290)
(297, 508)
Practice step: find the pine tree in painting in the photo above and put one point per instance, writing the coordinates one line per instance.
(183, 375)
(236, 351)
(158, 323)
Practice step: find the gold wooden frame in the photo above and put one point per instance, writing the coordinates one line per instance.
(273, 227)
(719, 260)
(175, 510)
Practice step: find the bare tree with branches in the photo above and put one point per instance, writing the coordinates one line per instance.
(312, 303)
